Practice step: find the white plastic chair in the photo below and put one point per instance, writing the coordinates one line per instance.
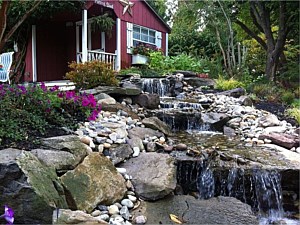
(6, 60)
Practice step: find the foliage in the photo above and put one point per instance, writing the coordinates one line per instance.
(224, 84)
(267, 91)
(91, 74)
(30, 111)
(103, 23)
(288, 97)
(294, 112)
(142, 71)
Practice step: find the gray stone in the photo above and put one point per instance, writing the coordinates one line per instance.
(128, 203)
(30, 188)
(200, 82)
(149, 101)
(156, 124)
(67, 216)
(140, 219)
(228, 131)
(68, 143)
(113, 209)
(124, 212)
(95, 181)
(269, 120)
(245, 100)
(116, 107)
(153, 175)
(217, 120)
(136, 142)
(60, 160)
(236, 93)
(181, 147)
(120, 153)
(220, 210)
(108, 101)
(143, 133)
(151, 147)
(117, 91)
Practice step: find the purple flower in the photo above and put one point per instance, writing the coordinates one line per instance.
(60, 94)
(70, 94)
(85, 102)
(54, 88)
(8, 215)
(43, 86)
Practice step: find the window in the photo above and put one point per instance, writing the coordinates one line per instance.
(143, 34)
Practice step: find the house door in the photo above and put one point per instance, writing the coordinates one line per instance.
(51, 51)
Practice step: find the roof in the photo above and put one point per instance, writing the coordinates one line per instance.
(159, 17)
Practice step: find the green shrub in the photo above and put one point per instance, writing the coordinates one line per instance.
(288, 97)
(27, 112)
(268, 91)
(294, 113)
(224, 84)
(91, 74)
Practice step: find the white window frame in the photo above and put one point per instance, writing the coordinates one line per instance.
(140, 40)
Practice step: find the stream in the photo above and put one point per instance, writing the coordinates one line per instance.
(217, 165)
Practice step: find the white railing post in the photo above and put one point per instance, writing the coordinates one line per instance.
(118, 51)
(84, 36)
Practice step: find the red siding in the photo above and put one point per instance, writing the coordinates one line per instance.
(28, 61)
(141, 15)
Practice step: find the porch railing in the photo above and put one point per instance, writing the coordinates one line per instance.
(106, 57)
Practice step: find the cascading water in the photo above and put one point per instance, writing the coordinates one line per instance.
(157, 86)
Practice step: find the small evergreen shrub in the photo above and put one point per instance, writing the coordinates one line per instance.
(294, 112)
(91, 74)
(287, 97)
(224, 84)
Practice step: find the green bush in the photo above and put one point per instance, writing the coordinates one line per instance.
(288, 97)
(224, 84)
(294, 113)
(91, 74)
(27, 112)
(268, 91)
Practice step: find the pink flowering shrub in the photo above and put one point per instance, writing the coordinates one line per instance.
(27, 112)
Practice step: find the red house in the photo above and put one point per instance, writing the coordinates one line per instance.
(69, 37)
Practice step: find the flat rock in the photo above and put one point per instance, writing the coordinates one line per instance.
(142, 133)
(281, 139)
(118, 106)
(199, 82)
(95, 181)
(157, 124)
(60, 160)
(67, 216)
(68, 143)
(149, 101)
(153, 175)
(219, 210)
(236, 93)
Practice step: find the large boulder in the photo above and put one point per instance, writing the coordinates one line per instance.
(94, 181)
(142, 133)
(67, 216)
(200, 82)
(60, 160)
(220, 210)
(269, 120)
(67, 143)
(236, 93)
(30, 188)
(157, 124)
(153, 175)
(149, 101)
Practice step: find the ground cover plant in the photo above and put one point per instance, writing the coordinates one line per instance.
(30, 112)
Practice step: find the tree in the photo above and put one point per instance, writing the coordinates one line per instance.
(7, 32)
(265, 16)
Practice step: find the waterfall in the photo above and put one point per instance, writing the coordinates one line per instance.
(268, 193)
(158, 86)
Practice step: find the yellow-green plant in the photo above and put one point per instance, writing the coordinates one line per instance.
(92, 74)
(294, 113)
(228, 84)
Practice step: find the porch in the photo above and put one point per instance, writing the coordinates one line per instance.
(106, 57)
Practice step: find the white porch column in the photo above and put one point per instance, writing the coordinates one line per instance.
(118, 51)
(84, 35)
(33, 46)
(167, 44)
